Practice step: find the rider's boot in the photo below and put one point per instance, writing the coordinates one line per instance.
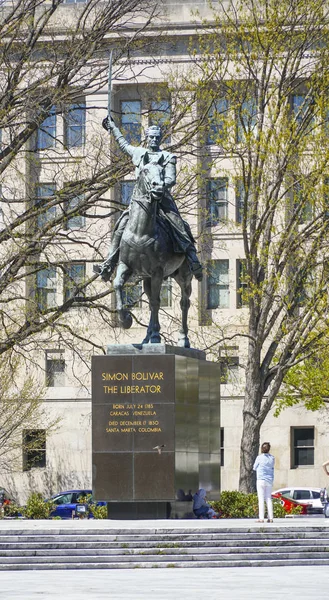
(194, 263)
(107, 268)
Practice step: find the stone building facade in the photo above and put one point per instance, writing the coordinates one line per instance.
(299, 438)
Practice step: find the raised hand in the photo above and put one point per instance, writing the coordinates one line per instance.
(108, 123)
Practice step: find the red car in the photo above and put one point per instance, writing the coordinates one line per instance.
(288, 503)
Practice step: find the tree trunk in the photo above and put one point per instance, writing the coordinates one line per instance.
(249, 447)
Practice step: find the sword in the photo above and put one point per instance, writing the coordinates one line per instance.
(109, 93)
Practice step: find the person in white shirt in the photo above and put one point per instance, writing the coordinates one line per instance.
(264, 467)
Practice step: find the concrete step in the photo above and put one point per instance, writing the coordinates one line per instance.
(258, 562)
(147, 534)
(117, 546)
(211, 550)
(160, 557)
(169, 537)
(127, 548)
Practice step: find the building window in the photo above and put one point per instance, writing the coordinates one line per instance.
(55, 369)
(46, 288)
(302, 203)
(46, 135)
(127, 188)
(166, 293)
(218, 288)
(240, 196)
(77, 221)
(160, 115)
(246, 119)
(241, 283)
(300, 105)
(217, 200)
(132, 294)
(34, 449)
(74, 277)
(326, 197)
(44, 196)
(305, 289)
(222, 446)
(229, 360)
(217, 116)
(2, 203)
(131, 120)
(302, 446)
(75, 125)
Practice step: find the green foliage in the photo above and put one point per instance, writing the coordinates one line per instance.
(98, 512)
(12, 510)
(37, 508)
(307, 383)
(278, 510)
(85, 499)
(237, 505)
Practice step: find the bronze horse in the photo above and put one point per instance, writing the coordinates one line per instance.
(147, 251)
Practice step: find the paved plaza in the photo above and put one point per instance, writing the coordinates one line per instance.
(244, 583)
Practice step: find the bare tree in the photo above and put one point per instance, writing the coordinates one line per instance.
(21, 411)
(53, 58)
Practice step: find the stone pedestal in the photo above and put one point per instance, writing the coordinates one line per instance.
(155, 430)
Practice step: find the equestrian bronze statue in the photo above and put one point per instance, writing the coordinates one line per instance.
(150, 240)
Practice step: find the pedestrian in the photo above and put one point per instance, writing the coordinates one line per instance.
(200, 507)
(264, 467)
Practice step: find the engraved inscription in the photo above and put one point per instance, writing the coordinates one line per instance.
(134, 417)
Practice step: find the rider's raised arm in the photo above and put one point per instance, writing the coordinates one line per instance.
(109, 125)
(170, 172)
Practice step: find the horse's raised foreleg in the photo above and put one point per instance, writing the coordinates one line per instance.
(122, 275)
(184, 279)
(152, 288)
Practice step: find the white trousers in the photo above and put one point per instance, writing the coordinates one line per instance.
(264, 490)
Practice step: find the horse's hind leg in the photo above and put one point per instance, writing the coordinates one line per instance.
(122, 275)
(184, 279)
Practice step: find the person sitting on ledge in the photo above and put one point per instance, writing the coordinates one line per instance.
(201, 509)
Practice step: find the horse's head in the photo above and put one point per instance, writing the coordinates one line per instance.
(151, 178)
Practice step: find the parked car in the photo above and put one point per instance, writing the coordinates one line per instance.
(66, 502)
(309, 497)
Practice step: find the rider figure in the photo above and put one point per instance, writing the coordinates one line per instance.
(183, 239)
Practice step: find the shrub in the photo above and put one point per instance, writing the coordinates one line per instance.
(278, 510)
(12, 510)
(98, 512)
(37, 508)
(237, 505)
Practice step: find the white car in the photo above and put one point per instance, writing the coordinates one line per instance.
(304, 495)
